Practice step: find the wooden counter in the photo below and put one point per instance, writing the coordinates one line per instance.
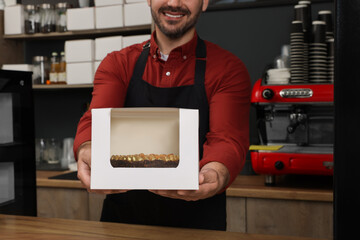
(296, 206)
(20, 227)
(307, 188)
(290, 187)
(42, 180)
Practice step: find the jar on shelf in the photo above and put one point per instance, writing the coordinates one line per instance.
(60, 10)
(47, 18)
(40, 70)
(31, 19)
(54, 68)
(62, 69)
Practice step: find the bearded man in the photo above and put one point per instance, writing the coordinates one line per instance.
(176, 68)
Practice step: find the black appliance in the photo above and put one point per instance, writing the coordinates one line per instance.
(17, 144)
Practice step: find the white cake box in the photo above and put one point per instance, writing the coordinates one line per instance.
(130, 131)
(109, 16)
(80, 73)
(80, 18)
(101, 3)
(136, 14)
(130, 40)
(14, 19)
(106, 45)
(79, 50)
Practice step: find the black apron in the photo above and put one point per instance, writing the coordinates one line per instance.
(144, 207)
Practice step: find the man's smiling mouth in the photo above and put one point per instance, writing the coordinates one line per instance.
(174, 12)
(173, 15)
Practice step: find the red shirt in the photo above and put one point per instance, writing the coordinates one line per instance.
(227, 85)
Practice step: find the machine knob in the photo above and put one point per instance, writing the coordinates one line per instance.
(268, 93)
(279, 165)
(291, 128)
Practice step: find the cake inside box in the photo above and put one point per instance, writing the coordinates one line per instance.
(144, 139)
(145, 160)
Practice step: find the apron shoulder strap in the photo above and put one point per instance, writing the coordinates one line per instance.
(199, 85)
(200, 48)
(141, 62)
(200, 66)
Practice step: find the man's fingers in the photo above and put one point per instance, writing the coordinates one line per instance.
(84, 163)
(208, 186)
(84, 174)
(201, 178)
(209, 176)
(84, 170)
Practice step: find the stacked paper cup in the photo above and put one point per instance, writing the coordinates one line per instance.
(330, 46)
(302, 12)
(318, 54)
(297, 59)
(311, 46)
(326, 16)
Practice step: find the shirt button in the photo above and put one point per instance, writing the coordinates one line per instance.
(184, 57)
(167, 73)
(154, 56)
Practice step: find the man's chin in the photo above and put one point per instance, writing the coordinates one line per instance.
(172, 26)
(174, 29)
(173, 33)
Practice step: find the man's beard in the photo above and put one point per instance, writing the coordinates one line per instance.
(177, 32)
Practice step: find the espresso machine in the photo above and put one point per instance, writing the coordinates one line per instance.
(295, 125)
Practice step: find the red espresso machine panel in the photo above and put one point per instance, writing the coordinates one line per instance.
(295, 128)
(311, 93)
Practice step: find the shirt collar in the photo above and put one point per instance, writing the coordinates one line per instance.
(186, 50)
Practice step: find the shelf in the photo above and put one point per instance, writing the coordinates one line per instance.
(62, 86)
(84, 33)
(11, 144)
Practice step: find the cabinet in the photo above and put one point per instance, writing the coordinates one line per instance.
(299, 205)
(293, 208)
(289, 217)
(57, 108)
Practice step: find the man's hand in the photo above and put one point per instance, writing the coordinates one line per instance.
(213, 177)
(84, 169)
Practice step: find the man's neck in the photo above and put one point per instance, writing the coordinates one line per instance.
(167, 44)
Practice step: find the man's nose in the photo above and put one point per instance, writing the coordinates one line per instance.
(174, 3)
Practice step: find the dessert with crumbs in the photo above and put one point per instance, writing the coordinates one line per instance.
(145, 160)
